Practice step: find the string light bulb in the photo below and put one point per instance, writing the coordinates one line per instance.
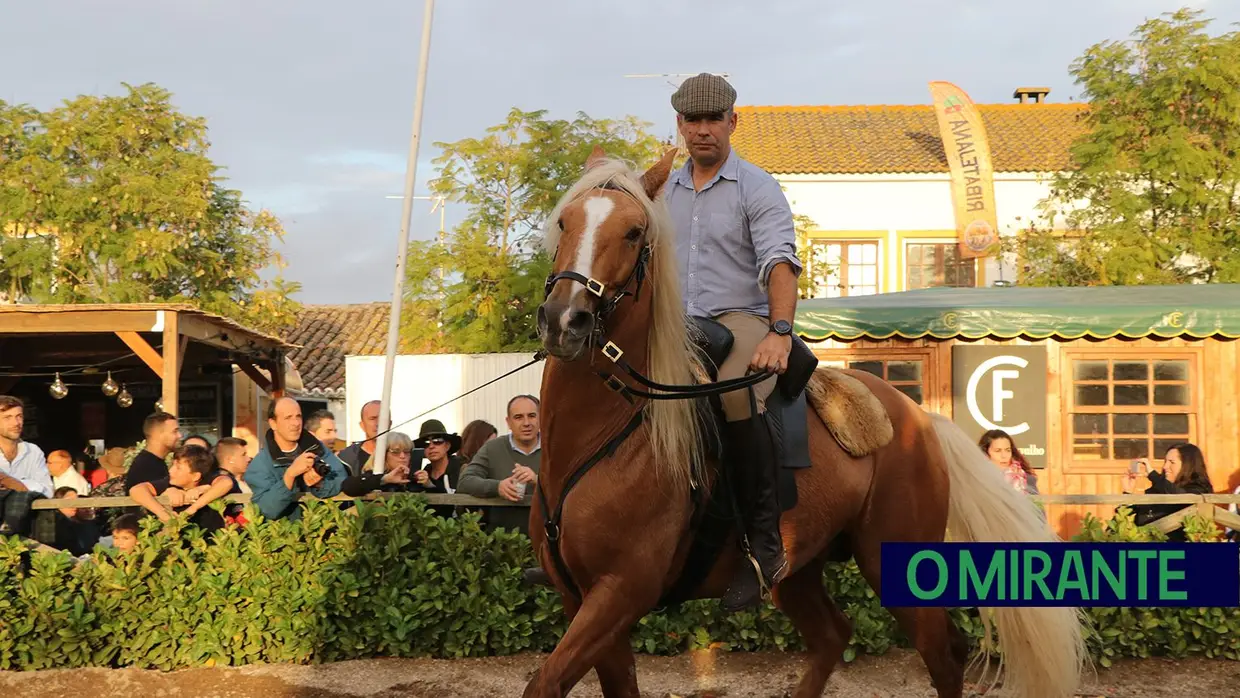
(58, 389)
(159, 405)
(124, 399)
(110, 387)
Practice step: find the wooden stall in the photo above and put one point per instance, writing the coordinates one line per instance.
(1086, 379)
(174, 354)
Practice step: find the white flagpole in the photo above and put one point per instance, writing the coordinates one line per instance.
(398, 289)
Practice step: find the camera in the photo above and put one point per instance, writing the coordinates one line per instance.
(320, 467)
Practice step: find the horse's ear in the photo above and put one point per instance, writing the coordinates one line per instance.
(655, 177)
(596, 156)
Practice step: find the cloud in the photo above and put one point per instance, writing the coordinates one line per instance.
(309, 101)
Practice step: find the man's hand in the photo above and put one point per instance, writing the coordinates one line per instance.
(520, 473)
(304, 464)
(422, 477)
(772, 354)
(9, 482)
(508, 490)
(192, 495)
(397, 476)
(312, 478)
(176, 497)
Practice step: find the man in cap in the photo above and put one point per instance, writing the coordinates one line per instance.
(736, 248)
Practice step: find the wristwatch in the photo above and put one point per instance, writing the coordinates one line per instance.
(782, 328)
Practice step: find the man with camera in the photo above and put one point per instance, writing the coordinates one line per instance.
(295, 461)
(292, 462)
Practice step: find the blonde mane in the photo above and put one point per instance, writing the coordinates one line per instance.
(675, 432)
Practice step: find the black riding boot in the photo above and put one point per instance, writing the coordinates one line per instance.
(752, 469)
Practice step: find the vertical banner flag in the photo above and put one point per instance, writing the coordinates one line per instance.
(968, 157)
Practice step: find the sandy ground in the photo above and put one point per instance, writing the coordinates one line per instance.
(701, 675)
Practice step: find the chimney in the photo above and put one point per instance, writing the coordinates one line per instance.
(1037, 95)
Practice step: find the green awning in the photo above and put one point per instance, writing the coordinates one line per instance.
(1192, 310)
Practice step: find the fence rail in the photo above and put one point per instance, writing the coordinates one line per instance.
(442, 499)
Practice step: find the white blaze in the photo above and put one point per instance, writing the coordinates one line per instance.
(598, 208)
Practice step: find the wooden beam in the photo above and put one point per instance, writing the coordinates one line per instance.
(277, 377)
(248, 369)
(149, 356)
(201, 330)
(78, 321)
(181, 354)
(172, 364)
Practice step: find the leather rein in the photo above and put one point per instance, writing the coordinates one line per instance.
(606, 307)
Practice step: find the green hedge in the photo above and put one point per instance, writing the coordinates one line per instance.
(392, 579)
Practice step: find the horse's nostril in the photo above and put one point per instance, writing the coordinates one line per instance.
(579, 322)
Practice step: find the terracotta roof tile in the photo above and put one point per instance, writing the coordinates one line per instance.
(882, 138)
(327, 334)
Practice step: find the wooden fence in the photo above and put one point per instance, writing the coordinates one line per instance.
(1207, 506)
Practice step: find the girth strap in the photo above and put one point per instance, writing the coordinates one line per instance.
(551, 519)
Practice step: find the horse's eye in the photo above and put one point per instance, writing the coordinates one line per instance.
(633, 234)
(560, 223)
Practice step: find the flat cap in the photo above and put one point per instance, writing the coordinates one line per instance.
(704, 93)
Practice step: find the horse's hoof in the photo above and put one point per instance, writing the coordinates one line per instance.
(536, 576)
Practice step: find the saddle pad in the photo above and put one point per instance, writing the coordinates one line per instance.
(852, 413)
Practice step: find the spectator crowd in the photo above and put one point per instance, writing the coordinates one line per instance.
(297, 456)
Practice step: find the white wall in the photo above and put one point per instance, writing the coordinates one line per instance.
(909, 202)
(421, 382)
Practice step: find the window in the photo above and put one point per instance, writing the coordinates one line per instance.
(839, 269)
(932, 264)
(1127, 408)
(906, 375)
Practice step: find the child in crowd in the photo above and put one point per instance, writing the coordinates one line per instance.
(191, 485)
(125, 532)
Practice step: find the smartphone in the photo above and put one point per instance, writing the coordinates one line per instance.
(1135, 467)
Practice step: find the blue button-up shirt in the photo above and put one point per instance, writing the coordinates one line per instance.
(29, 466)
(729, 236)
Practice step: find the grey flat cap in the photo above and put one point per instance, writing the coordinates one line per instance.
(704, 93)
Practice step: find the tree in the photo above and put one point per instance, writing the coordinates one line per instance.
(1152, 196)
(492, 270)
(114, 200)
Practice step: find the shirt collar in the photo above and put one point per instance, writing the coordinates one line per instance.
(731, 171)
(513, 442)
(22, 450)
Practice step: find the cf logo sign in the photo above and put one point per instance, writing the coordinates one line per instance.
(998, 393)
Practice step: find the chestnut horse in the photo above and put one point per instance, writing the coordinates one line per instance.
(623, 533)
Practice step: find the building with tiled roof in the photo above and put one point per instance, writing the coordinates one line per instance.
(875, 181)
(900, 139)
(326, 334)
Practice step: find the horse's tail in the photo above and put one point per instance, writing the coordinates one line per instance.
(1041, 650)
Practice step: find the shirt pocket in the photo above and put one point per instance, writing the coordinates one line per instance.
(726, 226)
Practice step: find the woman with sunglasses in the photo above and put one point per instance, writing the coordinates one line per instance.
(443, 466)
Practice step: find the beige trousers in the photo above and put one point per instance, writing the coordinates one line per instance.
(748, 331)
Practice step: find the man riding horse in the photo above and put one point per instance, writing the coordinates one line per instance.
(736, 249)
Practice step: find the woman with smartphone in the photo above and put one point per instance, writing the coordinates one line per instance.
(1184, 472)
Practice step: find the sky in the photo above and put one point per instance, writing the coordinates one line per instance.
(309, 102)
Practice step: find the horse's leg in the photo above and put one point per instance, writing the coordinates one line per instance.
(617, 670)
(606, 617)
(940, 643)
(821, 623)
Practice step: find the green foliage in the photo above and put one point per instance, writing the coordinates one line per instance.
(1157, 171)
(477, 290)
(113, 199)
(391, 579)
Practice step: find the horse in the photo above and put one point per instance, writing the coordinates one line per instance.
(621, 478)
